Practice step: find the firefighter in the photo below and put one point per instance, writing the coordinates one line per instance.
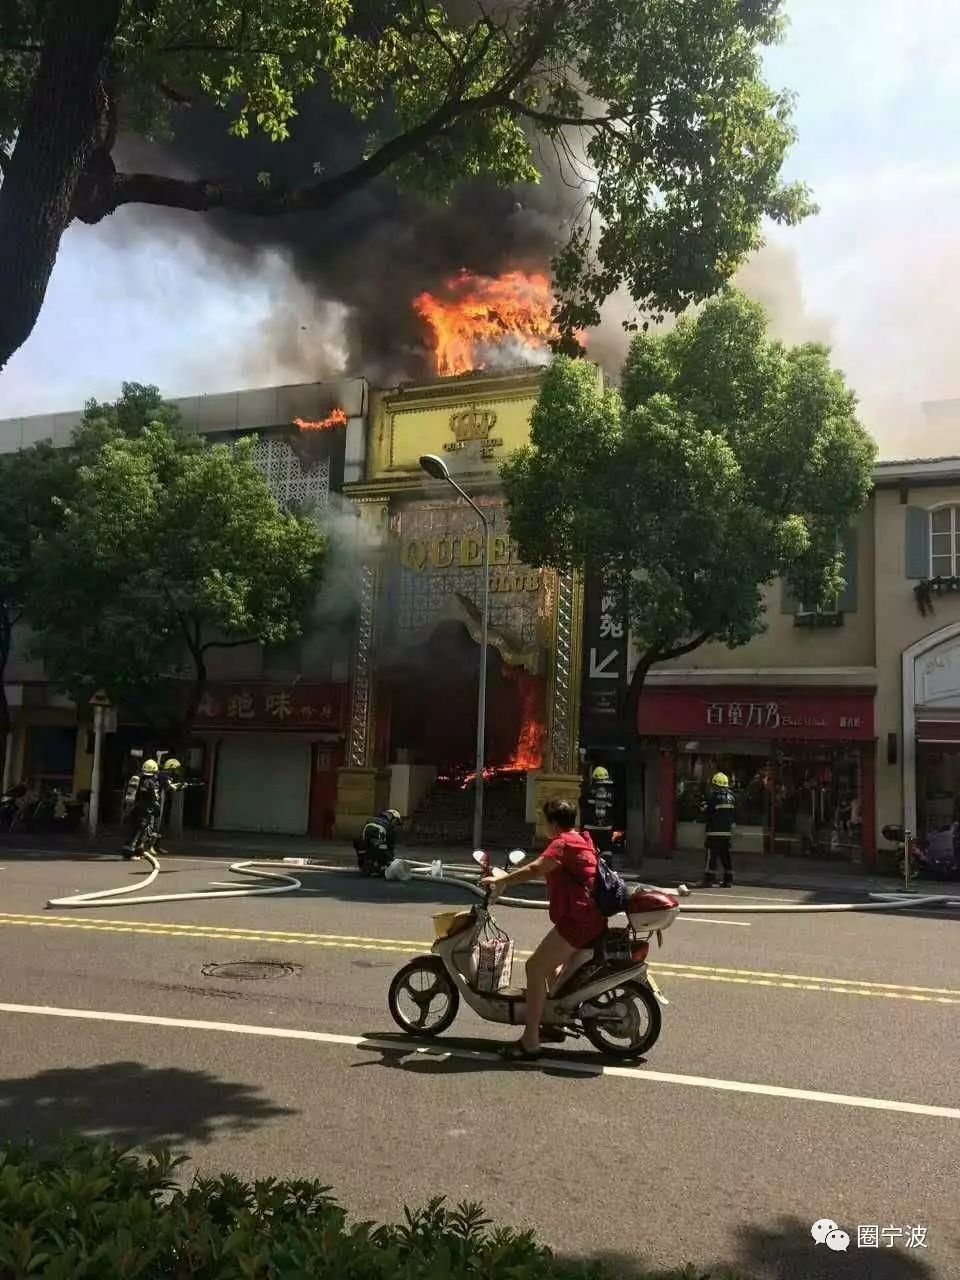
(719, 810)
(145, 796)
(376, 844)
(142, 801)
(597, 805)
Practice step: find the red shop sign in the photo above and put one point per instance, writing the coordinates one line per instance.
(319, 707)
(756, 713)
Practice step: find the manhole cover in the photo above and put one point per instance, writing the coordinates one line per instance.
(248, 970)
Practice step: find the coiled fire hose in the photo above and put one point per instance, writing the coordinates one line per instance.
(463, 876)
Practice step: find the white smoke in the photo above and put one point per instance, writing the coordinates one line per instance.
(350, 541)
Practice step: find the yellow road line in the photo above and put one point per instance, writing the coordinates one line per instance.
(407, 946)
(206, 930)
(806, 977)
(846, 989)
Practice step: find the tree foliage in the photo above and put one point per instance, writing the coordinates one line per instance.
(166, 548)
(659, 111)
(30, 481)
(724, 461)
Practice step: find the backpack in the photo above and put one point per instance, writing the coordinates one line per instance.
(610, 893)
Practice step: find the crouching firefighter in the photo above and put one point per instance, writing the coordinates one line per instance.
(376, 843)
(719, 812)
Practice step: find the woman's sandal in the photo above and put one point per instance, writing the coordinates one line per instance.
(552, 1035)
(518, 1052)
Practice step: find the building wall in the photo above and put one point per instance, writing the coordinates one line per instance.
(900, 624)
(785, 645)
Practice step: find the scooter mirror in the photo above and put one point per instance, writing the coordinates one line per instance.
(480, 856)
(892, 833)
(515, 857)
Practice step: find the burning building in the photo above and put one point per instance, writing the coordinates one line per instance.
(412, 733)
(414, 696)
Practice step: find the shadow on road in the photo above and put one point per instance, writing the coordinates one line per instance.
(445, 1057)
(784, 1250)
(131, 1103)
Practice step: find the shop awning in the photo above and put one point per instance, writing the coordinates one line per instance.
(938, 731)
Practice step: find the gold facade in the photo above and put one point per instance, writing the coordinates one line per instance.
(428, 566)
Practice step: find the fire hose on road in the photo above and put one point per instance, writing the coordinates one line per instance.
(278, 873)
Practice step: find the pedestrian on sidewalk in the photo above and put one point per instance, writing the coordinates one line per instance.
(719, 812)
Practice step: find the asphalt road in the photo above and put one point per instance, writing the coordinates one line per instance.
(808, 1068)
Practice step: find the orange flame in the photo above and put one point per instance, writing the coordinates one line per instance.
(528, 753)
(337, 418)
(484, 312)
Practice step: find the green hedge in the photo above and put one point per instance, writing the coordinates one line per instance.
(85, 1211)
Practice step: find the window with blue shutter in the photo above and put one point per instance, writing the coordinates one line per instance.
(917, 551)
(831, 612)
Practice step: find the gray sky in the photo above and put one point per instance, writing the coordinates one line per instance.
(877, 274)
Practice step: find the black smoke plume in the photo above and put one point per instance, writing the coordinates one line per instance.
(376, 250)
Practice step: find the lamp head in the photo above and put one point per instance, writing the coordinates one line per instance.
(434, 466)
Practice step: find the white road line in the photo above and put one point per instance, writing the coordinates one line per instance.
(576, 1067)
(740, 924)
(755, 897)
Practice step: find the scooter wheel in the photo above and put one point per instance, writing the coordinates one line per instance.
(423, 999)
(364, 867)
(636, 1032)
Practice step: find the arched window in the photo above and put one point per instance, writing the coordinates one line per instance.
(945, 542)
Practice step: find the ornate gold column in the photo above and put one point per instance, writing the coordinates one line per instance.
(560, 779)
(356, 781)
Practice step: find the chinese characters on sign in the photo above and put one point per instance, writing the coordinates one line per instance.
(768, 715)
(605, 663)
(735, 714)
(609, 627)
(875, 1237)
(301, 706)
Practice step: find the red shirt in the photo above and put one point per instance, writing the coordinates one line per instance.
(570, 889)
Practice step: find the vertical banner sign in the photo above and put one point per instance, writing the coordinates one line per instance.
(604, 665)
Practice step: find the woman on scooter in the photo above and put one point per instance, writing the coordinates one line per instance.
(569, 866)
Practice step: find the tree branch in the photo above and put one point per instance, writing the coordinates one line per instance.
(202, 196)
(678, 651)
(228, 644)
(551, 118)
(59, 131)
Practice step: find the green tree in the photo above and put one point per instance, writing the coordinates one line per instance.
(726, 460)
(30, 482)
(662, 104)
(167, 548)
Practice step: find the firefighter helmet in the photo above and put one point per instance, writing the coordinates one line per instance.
(600, 774)
(149, 766)
(720, 780)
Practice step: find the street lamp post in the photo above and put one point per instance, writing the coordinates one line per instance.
(438, 469)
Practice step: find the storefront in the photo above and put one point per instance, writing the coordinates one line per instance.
(801, 765)
(931, 735)
(271, 754)
(415, 676)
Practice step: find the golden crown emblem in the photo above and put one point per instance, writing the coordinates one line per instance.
(472, 424)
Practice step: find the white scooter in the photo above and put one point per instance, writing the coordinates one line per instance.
(604, 992)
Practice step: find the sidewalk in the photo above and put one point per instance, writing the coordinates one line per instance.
(751, 870)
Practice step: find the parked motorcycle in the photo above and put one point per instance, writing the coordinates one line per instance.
(604, 992)
(935, 858)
